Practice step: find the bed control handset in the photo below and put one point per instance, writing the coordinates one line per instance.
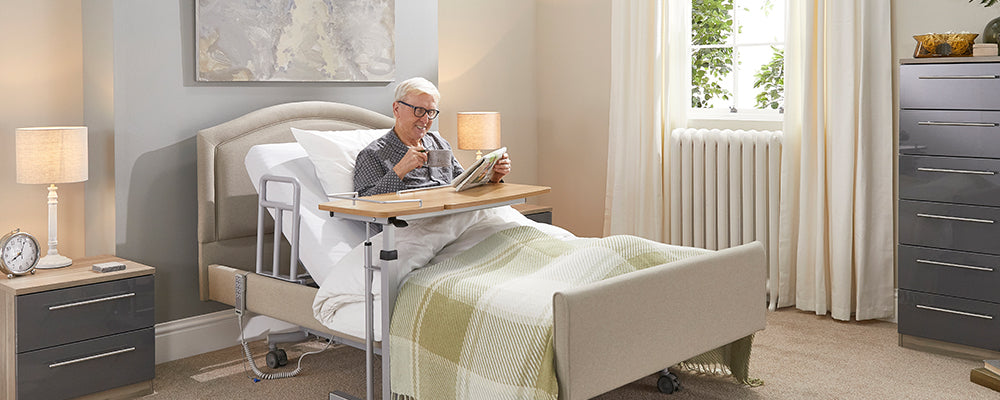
(241, 294)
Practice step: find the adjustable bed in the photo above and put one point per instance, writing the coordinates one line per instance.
(606, 334)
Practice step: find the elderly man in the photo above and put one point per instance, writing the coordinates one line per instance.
(396, 161)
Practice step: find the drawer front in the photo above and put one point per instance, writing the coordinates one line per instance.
(86, 367)
(950, 86)
(967, 275)
(949, 179)
(968, 322)
(949, 226)
(949, 133)
(77, 313)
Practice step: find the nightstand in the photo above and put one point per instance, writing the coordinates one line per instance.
(72, 332)
(535, 213)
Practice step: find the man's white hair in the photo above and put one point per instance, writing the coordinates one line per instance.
(416, 85)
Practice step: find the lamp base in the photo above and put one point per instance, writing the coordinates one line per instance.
(53, 261)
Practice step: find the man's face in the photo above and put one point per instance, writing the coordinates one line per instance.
(410, 128)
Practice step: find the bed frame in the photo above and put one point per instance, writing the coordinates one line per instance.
(659, 316)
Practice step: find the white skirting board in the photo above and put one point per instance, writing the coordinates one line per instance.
(209, 332)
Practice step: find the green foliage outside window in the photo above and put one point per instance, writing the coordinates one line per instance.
(711, 23)
(771, 80)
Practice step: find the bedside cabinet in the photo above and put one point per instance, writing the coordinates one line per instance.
(535, 213)
(949, 206)
(71, 332)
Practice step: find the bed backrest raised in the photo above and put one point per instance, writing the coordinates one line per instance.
(227, 201)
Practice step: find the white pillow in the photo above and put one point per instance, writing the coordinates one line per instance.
(322, 240)
(333, 153)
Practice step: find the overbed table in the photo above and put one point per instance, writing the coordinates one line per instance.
(391, 210)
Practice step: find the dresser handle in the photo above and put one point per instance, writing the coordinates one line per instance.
(954, 312)
(957, 171)
(981, 221)
(94, 357)
(960, 77)
(955, 265)
(81, 303)
(979, 124)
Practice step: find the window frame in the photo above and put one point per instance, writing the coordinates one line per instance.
(731, 114)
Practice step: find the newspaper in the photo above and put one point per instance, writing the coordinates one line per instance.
(480, 172)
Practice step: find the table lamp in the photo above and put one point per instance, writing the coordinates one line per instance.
(49, 156)
(478, 131)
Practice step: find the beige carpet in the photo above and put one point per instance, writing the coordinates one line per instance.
(799, 356)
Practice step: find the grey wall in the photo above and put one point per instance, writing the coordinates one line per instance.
(158, 109)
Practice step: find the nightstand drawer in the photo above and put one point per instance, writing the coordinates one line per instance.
(950, 86)
(950, 179)
(968, 322)
(949, 226)
(85, 367)
(949, 133)
(968, 275)
(68, 315)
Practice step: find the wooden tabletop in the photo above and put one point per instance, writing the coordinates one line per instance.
(439, 199)
(79, 273)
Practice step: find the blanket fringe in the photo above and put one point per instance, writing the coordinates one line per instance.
(732, 359)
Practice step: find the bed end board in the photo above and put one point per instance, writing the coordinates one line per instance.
(624, 328)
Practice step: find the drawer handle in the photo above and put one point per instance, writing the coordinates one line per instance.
(978, 124)
(957, 171)
(967, 314)
(955, 265)
(82, 303)
(960, 77)
(981, 221)
(93, 357)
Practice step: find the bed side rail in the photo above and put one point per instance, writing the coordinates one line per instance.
(280, 208)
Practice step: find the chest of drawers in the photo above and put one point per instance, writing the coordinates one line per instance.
(71, 332)
(949, 202)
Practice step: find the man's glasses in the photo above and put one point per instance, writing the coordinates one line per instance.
(420, 111)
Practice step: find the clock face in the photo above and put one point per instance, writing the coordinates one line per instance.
(20, 253)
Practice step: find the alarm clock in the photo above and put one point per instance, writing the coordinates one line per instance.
(19, 253)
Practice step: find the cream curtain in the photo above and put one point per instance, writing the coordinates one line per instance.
(647, 100)
(836, 241)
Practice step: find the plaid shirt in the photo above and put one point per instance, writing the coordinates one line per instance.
(373, 172)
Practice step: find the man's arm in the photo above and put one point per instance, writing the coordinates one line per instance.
(371, 177)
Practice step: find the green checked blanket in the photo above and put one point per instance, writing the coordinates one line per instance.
(479, 325)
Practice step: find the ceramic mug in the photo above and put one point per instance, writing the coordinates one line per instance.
(438, 158)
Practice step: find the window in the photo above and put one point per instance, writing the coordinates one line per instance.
(737, 57)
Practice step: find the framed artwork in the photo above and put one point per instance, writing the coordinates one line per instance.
(295, 40)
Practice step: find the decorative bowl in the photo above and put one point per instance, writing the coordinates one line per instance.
(949, 44)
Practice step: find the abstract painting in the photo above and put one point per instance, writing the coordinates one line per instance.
(295, 40)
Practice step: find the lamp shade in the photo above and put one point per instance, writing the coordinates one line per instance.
(51, 155)
(478, 130)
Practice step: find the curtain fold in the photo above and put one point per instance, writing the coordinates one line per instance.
(836, 241)
(647, 99)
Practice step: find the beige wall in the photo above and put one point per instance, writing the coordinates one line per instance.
(41, 84)
(573, 66)
(486, 62)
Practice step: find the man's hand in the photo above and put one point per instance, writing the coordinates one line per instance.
(501, 169)
(415, 157)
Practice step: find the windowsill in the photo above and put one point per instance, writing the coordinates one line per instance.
(744, 116)
(737, 121)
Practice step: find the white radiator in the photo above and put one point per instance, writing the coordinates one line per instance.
(724, 189)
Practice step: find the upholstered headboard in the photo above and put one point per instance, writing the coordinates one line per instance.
(227, 201)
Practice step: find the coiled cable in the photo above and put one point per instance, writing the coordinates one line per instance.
(277, 375)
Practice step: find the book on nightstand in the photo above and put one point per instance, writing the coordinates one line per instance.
(992, 365)
(984, 377)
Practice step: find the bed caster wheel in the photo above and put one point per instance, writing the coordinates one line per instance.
(668, 383)
(276, 358)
